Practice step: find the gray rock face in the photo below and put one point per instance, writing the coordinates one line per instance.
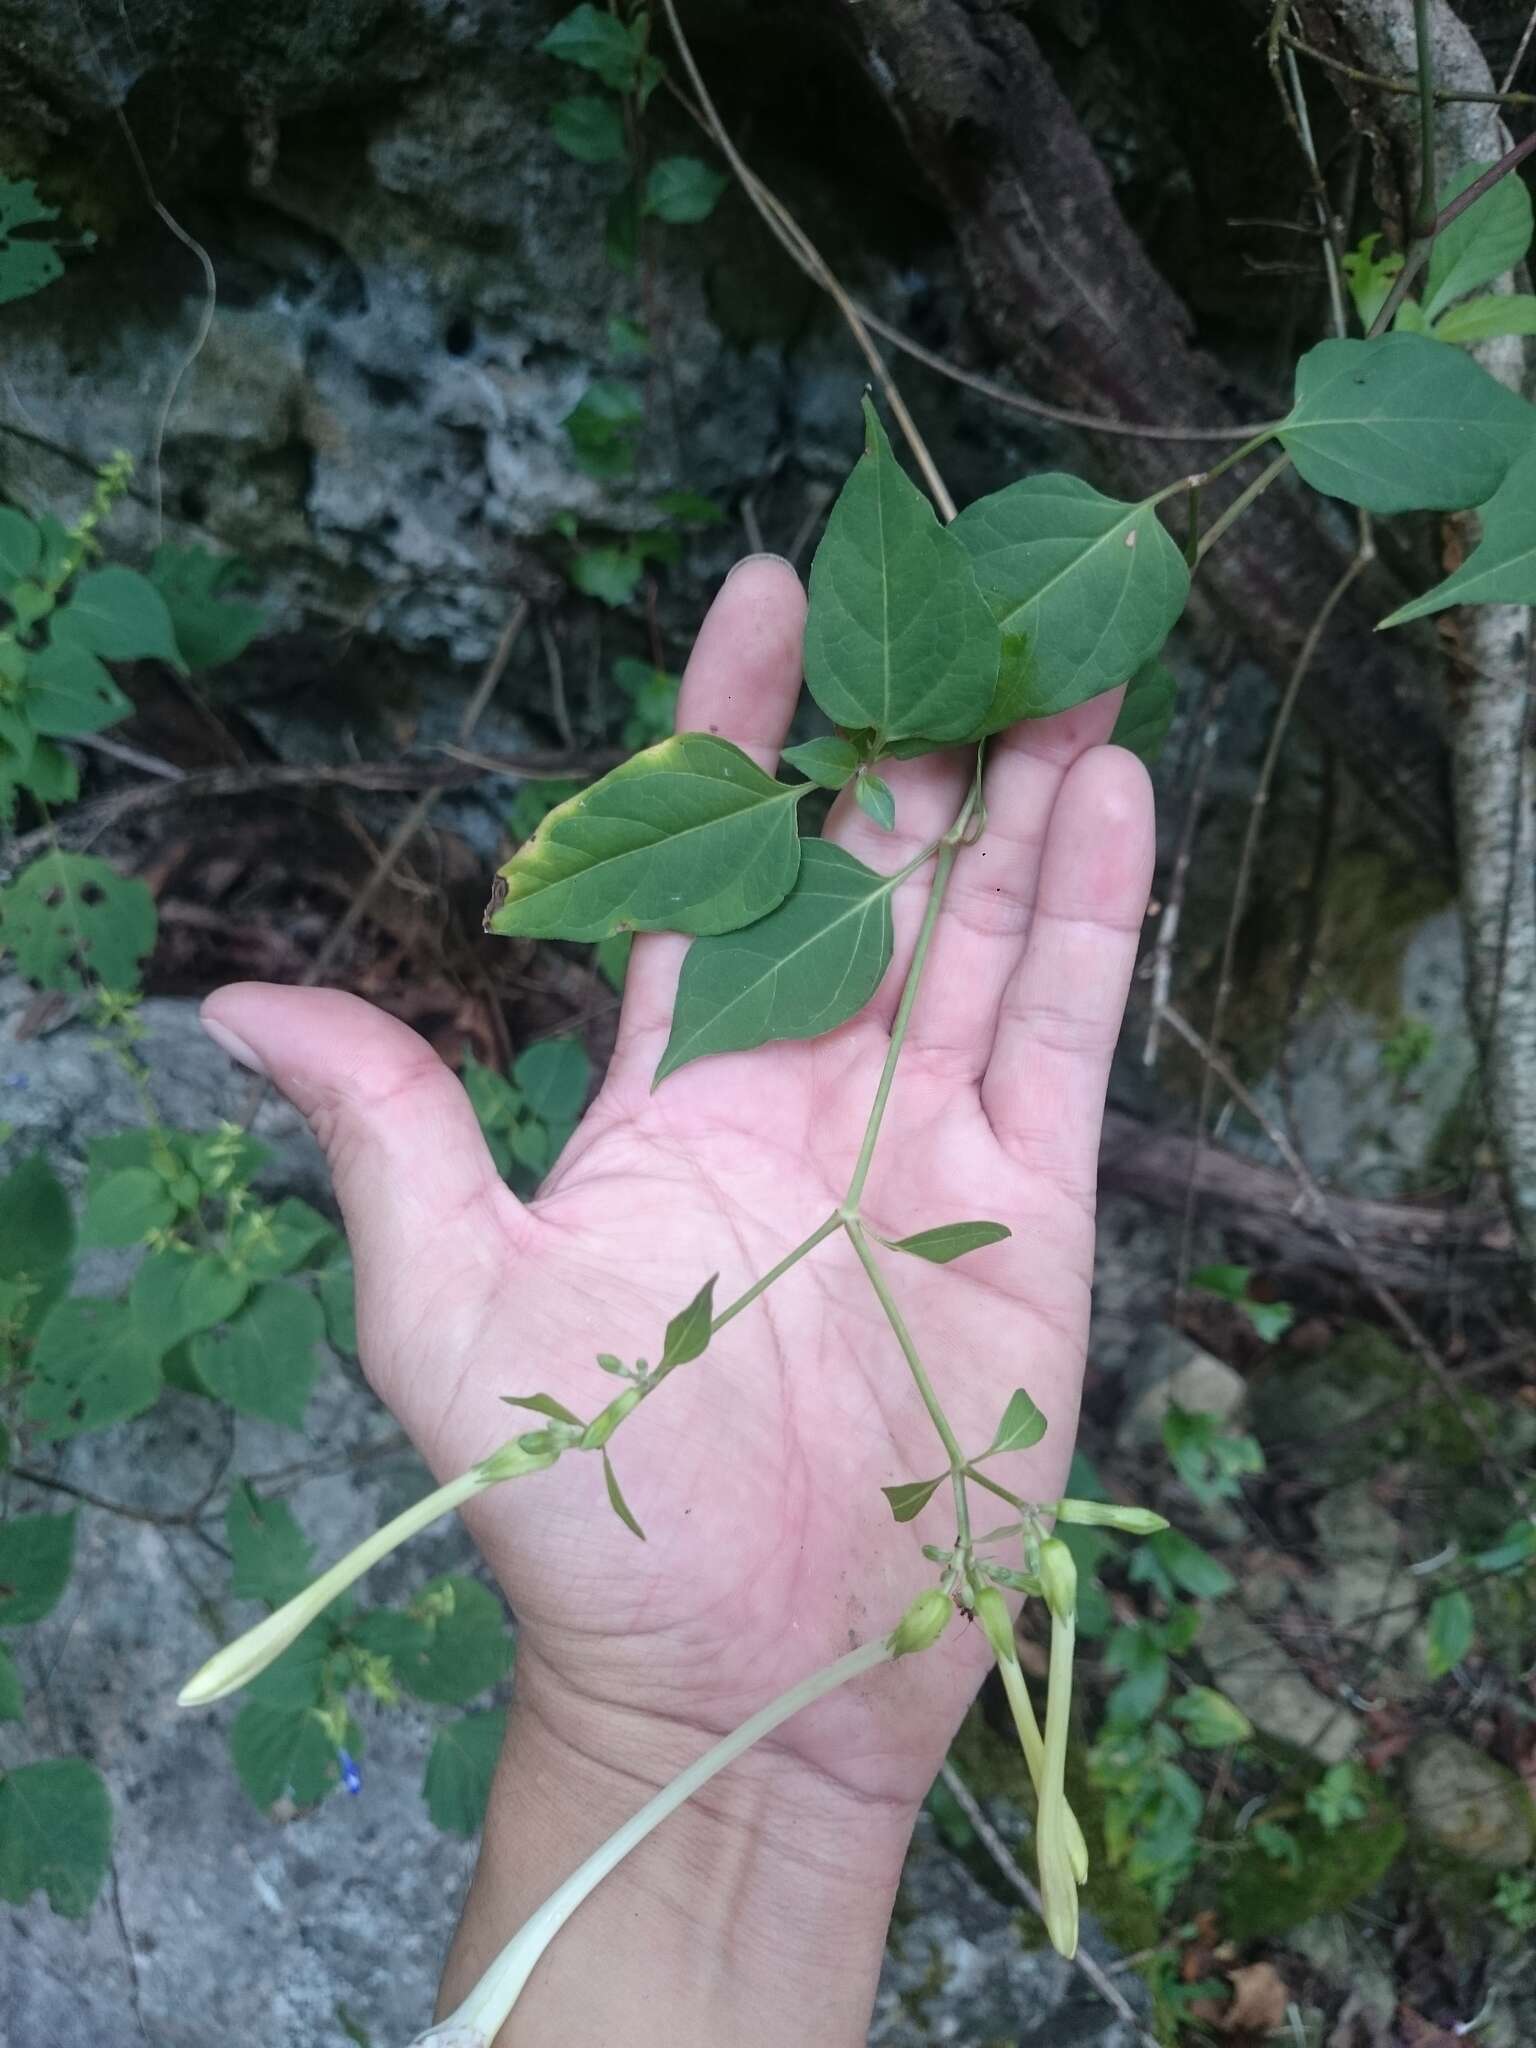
(1251, 1668)
(1471, 1805)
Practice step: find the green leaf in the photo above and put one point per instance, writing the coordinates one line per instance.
(70, 919)
(335, 1288)
(51, 775)
(1452, 1626)
(210, 625)
(1517, 1547)
(297, 1678)
(1370, 277)
(271, 1242)
(12, 1702)
(611, 575)
(270, 1556)
(612, 956)
(1271, 1319)
(91, 1367)
(874, 798)
(37, 1228)
(55, 1835)
(910, 1498)
(1021, 1428)
(629, 342)
(1484, 319)
(596, 41)
(1146, 711)
(690, 835)
(459, 1770)
(946, 1241)
(1140, 1692)
(1490, 238)
(589, 129)
(125, 1208)
(175, 1294)
(899, 638)
(802, 970)
(691, 507)
(603, 427)
(118, 614)
(263, 1361)
(1093, 584)
(468, 1649)
(682, 190)
(21, 546)
(829, 762)
(688, 1332)
(278, 1751)
(543, 1404)
(616, 1498)
(36, 1555)
(1192, 1570)
(1230, 1282)
(1501, 569)
(27, 262)
(1402, 424)
(69, 692)
(1210, 1720)
(554, 1076)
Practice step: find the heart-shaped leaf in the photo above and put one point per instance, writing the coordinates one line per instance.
(1021, 1427)
(1481, 244)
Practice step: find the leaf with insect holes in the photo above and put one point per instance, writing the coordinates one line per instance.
(543, 1404)
(898, 638)
(27, 262)
(91, 1366)
(1501, 569)
(617, 1501)
(589, 128)
(1452, 1627)
(1146, 711)
(1022, 1426)
(1481, 244)
(69, 918)
(36, 1555)
(1402, 424)
(682, 190)
(688, 1332)
(1370, 277)
(689, 835)
(910, 1498)
(55, 1835)
(828, 762)
(457, 1784)
(68, 692)
(1486, 319)
(802, 970)
(946, 1241)
(1092, 583)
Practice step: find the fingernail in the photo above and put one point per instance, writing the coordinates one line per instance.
(229, 1042)
(766, 556)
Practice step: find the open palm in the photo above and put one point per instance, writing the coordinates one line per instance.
(756, 1470)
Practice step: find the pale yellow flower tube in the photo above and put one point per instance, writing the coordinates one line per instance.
(992, 1612)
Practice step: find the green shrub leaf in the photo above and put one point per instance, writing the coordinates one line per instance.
(1501, 569)
(467, 1650)
(210, 624)
(1021, 1428)
(271, 1242)
(175, 1294)
(118, 614)
(284, 1750)
(874, 798)
(1209, 1719)
(899, 638)
(802, 970)
(55, 1835)
(1146, 711)
(270, 1556)
(91, 1366)
(1485, 319)
(1192, 1570)
(27, 262)
(69, 919)
(36, 1554)
(37, 1228)
(1489, 239)
(616, 1500)
(948, 1241)
(682, 190)
(263, 1361)
(595, 41)
(1402, 424)
(459, 1770)
(69, 692)
(554, 1076)
(125, 1207)
(21, 545)
(589, 128)
(688, 836)
(12, 1703)
(829, 762)
(1452, 1626)
(1091, 584)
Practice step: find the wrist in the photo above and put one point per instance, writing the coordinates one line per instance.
(756, 1914)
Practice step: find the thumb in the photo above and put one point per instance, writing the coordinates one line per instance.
(405, 1152)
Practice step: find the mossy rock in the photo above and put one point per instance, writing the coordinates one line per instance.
(1263, 1897)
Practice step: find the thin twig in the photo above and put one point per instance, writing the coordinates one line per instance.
(1516, 61)
(1173, 906)
(1407, 88)
(1007, 1863)
(1418, 255)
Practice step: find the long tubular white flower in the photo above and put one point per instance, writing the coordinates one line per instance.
(992, 1612)
(484, 2012)
(1058, 1883)
(241, 1661)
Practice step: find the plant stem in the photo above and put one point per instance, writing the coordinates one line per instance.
(1239, 506)
(1453, 209)
(1424, 213)
(479, 2020)
(1209, 476)
(759, 1287)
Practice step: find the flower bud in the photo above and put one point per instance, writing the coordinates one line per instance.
(922, 1624)
(1058, 1576)
(992, 1613)
(1105, 1514)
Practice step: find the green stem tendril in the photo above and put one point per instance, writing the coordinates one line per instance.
(480, 2018)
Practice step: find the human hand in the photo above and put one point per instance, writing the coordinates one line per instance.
(756, 1470)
